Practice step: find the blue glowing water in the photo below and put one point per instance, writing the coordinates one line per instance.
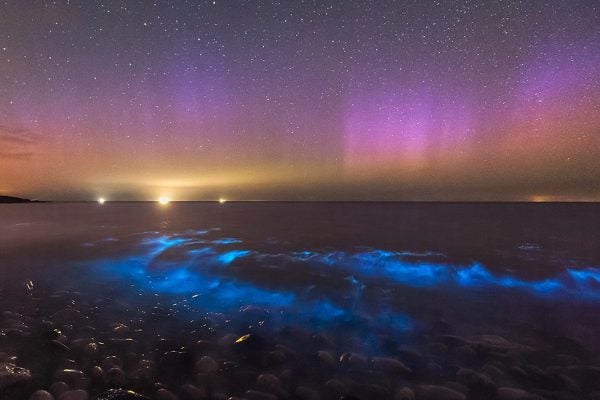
(379, 269)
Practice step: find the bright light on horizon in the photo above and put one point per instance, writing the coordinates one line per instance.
(163, 200)
(101, 200)
(222, 200)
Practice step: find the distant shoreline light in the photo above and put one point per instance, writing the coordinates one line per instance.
(101, 200)
(222, 200)
(164, 200)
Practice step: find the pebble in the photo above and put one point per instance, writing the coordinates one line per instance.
(507, 393)
(77, 394)
(58, 388)
(120, 394)
(206, 364)
(10, 375)
(164, 394)
(41, 395)
(433, 392)
(404, 393)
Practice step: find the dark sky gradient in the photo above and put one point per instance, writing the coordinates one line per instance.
(300, 100)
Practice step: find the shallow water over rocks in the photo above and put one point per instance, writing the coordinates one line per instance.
(299, 301)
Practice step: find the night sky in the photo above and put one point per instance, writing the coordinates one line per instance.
(300, 100)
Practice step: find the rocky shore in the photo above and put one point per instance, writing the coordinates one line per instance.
(63, 346)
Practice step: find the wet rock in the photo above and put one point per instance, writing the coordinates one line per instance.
(41, 395)
(249, 343)
(276, 357)
(206, 365)
(58, 388)
(112, 362)
(67, 315)
(71, 376)
(479, 384)
(405, 393)
(569, 345)
(164, 394)
(433, 392)
(335, 388)
(121, 329)
(268, 381)
(326, 358)
(438, 348)
(370, 391)
(390, 366)
(11, 375)
(115, 377)
(120, 394)
(306, 393)
(508, 393)
(257, 395)
(353, 360)
(98, 375)
(77, 394)
(191, 392)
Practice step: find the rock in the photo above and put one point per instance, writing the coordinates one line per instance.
(479, 384)
(71, 376)
(306, 393)
(353, 360)
(326, 358)
(191, 392)
(112, 362)
(571, 346)
(115, 377)
(206, 365)
(268, 381)
(120, 394)
(507, 393)
(335, 388)
(404, 394)
(58, 388)
(78, 394)
(390, 366)
(256, 395)
(164, 394)
(11, 375)
(41, 395)
(433, 392)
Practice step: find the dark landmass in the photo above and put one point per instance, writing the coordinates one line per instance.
(11, 199)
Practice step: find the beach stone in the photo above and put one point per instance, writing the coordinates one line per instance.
(405, 393)
(115, 377)
(335, 388)
(257, 395)
(11, 375)
(191, 392)
(111, 362)
(121, 330)
(71, 376)
(77, 394)
(353, 360)
(508, 393)
(390, 366)
(58, 388)
(164, 394)
(206, 365)
(41, 395)
(434, 392)
(306, 393)
(326, 358)
(476, 382)
(120, 394)
(268, 381)
(438, 348)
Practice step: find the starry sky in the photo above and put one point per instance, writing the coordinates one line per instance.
(300, 99)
